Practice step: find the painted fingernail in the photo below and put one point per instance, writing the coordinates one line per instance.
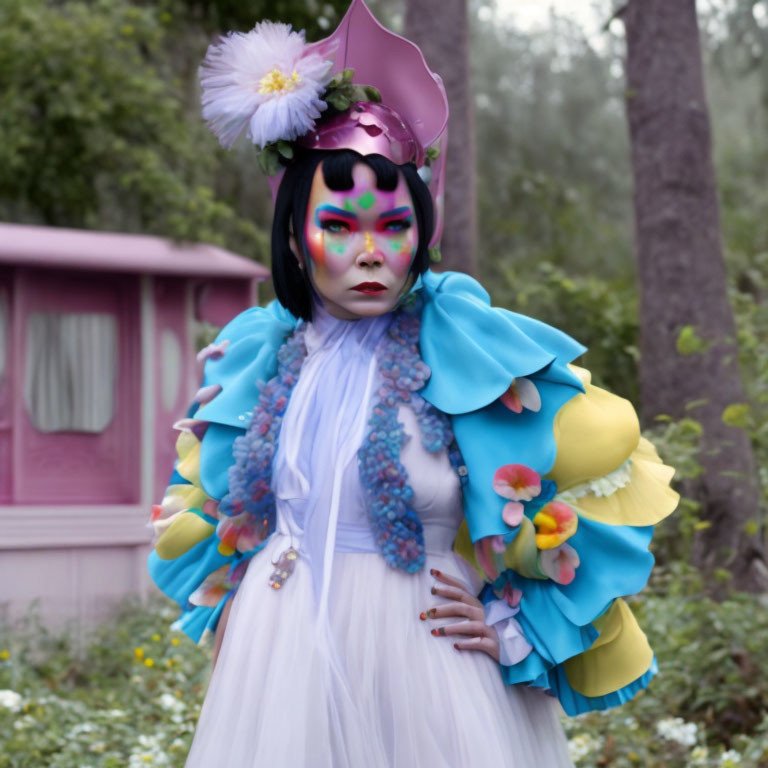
(435, 572)
(423, 616)
(456, 646)
(431, 613)
(433, 591)
(433, 632)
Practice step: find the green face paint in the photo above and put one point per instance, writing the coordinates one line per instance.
(337, 248)
(367, 200)
(348, 206)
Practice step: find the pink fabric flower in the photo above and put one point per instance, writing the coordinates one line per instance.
(522, 393)
(486, 553)
(206, 394)
(210, 592)
(560, 564)
(555, 523)
(517, 482)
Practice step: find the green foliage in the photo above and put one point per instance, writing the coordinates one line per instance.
(737, 415)
(711, 695)
(599, 313)
(93, 129)
(316, 17)
(130, 698)
(552, 154)
(748, 296)
(689, 342)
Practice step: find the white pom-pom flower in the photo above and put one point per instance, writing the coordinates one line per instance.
(266, 80)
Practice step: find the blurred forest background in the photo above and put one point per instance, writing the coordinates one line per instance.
(100, 128)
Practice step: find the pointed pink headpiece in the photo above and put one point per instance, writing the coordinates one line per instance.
(413, 114)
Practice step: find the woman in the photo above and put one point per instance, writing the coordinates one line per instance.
(367, 428)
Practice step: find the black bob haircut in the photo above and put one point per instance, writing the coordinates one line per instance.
(292, 285)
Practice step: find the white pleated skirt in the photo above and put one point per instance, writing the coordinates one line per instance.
(374, 690)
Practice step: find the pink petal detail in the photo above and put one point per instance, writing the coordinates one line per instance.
(511, 398)
(485, 558)
(206, 394)
(512, 514)
(512, 595)
(517, 482)
(213, 351)
(560, 564)
(211, 508)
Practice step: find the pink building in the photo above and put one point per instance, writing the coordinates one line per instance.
(97, 360)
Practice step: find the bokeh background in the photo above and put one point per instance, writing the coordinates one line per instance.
(595, 188)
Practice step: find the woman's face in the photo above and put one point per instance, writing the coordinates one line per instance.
(359, 244)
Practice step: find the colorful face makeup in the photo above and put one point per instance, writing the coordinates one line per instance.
(360, 244)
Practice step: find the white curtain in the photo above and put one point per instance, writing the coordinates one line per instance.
(170, 351)
(71, 368)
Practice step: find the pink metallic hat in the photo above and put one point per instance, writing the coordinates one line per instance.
(274, 86)
(412, 115)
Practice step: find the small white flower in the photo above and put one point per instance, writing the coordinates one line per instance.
(581, 745)
(147, 742)
(76, 730)
(10, 700)
(699, 756)
(730, 758)
(27, 721)
(676, 729)
(169, 702)
(265, 80)
(630, 723)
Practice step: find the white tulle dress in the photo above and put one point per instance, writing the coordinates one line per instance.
(336, 669)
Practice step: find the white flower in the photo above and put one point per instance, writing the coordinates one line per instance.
(630, 723)
(79, 728)
(676, 729)
(266, 80)
(730, 758)
(171, 703)
(699, 756)
(581, 745)
(10, 700)
(27, 721)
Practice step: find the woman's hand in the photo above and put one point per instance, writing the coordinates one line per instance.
(463, 604)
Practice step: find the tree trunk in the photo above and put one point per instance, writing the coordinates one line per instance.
(440, 28)
(683, 279)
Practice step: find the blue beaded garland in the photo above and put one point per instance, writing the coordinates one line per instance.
(249, 505)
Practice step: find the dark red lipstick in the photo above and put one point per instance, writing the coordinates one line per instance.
(369, 288)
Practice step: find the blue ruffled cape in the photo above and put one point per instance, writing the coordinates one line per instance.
(474, 352)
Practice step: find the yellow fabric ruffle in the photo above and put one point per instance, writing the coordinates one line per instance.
(595, 433)
(620, 655)
(186, 530)
(188, 449)
(644, 500)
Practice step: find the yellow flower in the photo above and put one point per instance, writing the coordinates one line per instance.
(156, 638)
(149, 662)
(175, 641)
(138, 653)
(5, 654)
